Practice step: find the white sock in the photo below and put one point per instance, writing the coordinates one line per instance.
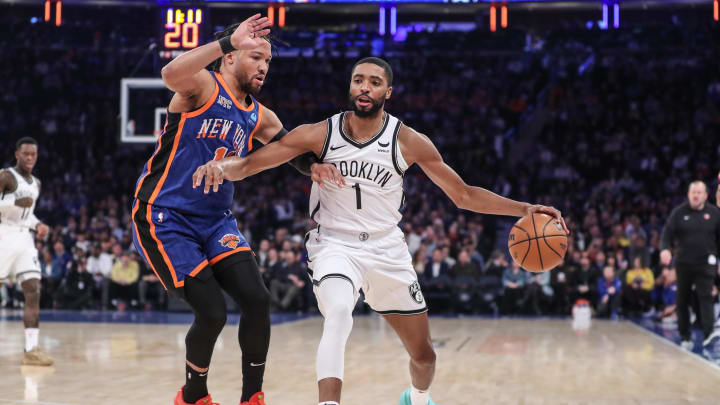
(329, 403)
(31, 338)
(418, 397)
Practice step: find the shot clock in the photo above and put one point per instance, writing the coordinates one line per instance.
(182, 30)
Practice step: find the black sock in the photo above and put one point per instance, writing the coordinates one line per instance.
(195, 385)
(252, 376)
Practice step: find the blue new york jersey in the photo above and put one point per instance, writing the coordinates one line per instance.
(222, 127)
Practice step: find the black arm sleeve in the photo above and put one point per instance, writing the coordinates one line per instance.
(668, 232)
(301, 163)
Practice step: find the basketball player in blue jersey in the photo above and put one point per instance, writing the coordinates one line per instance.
(358, 244)
(191, 240)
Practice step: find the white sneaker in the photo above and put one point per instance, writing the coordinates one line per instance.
(687, 345)
(711, 338)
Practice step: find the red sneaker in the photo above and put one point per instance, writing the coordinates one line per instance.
(202, 401)
(257, 399)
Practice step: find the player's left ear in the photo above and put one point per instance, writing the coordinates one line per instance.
(388, 93)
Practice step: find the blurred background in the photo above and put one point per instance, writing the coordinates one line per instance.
(605, 109)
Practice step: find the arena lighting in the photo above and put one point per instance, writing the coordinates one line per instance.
(271, 14)
(504, 16)
(616, 15)
(716, 11)
(393, 21)
(281, 16)
(604, 23)
(493, 18)
(58, 13)
(47, 10)
(381, 24)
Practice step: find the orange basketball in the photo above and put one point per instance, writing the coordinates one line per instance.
(538, 242)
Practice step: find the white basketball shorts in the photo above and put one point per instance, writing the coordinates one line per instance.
(18, 255)
(380, 264)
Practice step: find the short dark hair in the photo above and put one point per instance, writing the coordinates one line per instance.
(379, 62)
(229, 31)
(26, 140)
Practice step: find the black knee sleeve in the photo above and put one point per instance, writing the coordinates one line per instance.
(207, 302)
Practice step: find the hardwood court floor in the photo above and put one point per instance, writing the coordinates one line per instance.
(480, 361)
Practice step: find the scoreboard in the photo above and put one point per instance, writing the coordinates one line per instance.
(182, 29)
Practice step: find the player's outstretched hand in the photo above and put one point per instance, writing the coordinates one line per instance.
(322, 172)
(249, 33)
(212, 172)
(552, 211)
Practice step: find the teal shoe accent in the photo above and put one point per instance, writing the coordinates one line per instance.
(405, 399)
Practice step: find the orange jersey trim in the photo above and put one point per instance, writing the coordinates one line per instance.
(198, 268)
(149, 168)
(205, 106)
(257, 125)
(226, 254)
(159, 186)
(166, 259)
(137, 234)
(232, 96)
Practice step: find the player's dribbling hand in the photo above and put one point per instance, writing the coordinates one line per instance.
(322, 172)
(552, 211)
(249, 33)
(212, 172)
(42, 230)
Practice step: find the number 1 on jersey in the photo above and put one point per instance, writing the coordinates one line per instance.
(220, 153)
(357, 195)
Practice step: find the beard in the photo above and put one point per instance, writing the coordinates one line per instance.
(247, 86)
(371, 112)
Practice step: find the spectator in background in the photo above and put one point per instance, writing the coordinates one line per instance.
(124, 282)
(287, 282)
(539, 294)
(59, 266)
(262, 252)
(637, 297)
(666, 293)
(436, 281)
(583, 283)
(420, 260)
(99, 265)
(514, 283)
(642, 272)
(76, 289)
(465, 277)
(149, 285)
(561, 288)
(497, 264)
(609, 287)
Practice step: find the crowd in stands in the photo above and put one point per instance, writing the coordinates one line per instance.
(623, 140)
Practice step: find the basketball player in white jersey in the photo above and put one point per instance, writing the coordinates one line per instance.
(358, 243)
(19, 191)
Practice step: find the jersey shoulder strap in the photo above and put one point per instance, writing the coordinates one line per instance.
(332, 131)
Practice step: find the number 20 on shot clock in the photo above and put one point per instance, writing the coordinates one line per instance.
(182, 30)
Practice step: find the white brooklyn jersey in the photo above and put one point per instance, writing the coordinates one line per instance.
(14, 215)
(373, 171)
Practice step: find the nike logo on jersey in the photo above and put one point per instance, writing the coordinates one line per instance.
(337, 147)
(257, 364)
(383, 145)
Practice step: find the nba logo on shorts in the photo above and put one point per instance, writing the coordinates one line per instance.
(415, 292)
